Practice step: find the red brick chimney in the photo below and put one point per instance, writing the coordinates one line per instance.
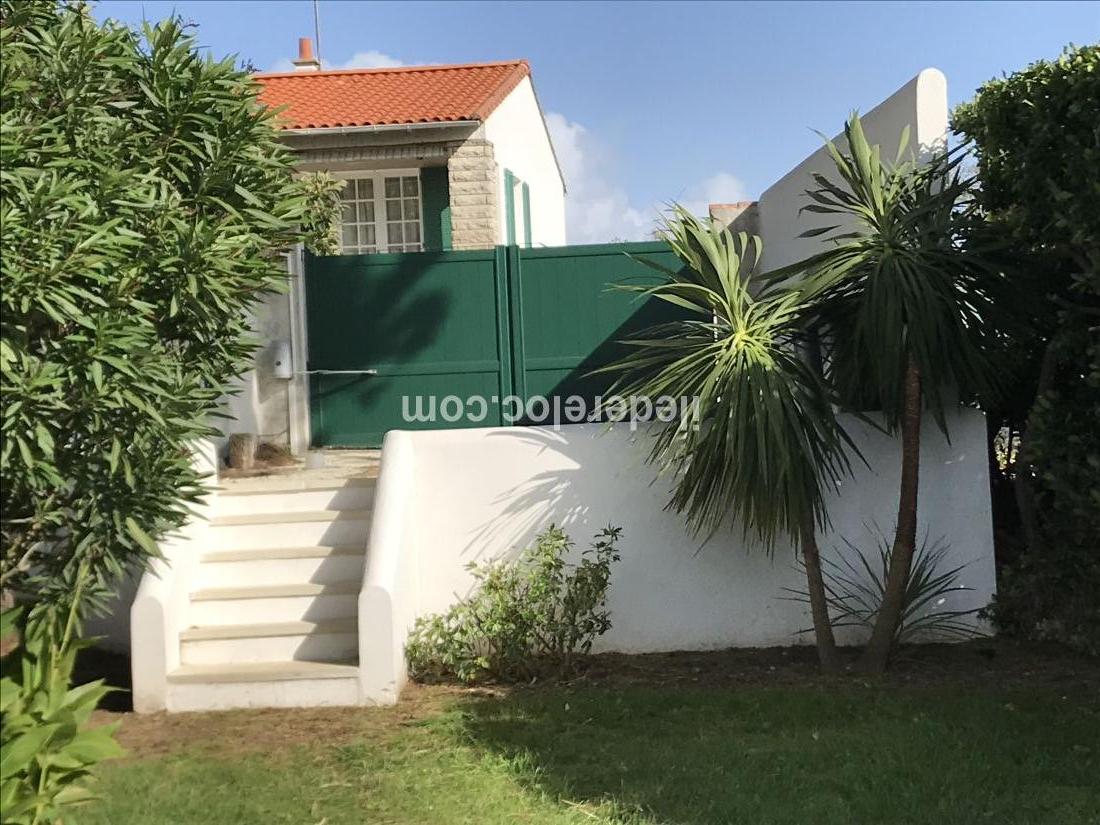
(306, 62)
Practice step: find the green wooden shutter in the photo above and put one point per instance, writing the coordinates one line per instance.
(435, 200)
(526, 214)
(509, 207)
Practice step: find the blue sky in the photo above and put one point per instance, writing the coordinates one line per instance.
(650, 102)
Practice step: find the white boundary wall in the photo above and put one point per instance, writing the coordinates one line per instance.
(447, 498)
(921, 104)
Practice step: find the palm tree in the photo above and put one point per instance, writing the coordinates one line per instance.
(903, 306)
(762, 442)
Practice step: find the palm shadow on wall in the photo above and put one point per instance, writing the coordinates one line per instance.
(581, 379)
(522, 511)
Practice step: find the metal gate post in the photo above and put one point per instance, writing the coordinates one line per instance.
(515, 290)
(506, 380)
(298, 391)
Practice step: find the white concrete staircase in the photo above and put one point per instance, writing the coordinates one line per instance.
(272, 618)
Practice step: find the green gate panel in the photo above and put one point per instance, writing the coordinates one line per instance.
(387, 334)
(573, 317)
(427, 324)
(435, 201)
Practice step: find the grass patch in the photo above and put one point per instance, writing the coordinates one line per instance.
(829, 753)
(793, 755)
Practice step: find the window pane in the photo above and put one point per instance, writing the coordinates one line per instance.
(409, 187)
(412, 232)
(348, 192)
(393, 187)
(349, 213)
(367, 233)
(366, 212)
(366, 189)
(396, 236)
(393, 210)
(348, 237)
(412, 212)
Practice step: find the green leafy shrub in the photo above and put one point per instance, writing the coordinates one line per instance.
(323, 212)
(536, 612)
(1037, 144)
(1049, 593)
(144, 193)
(143, 198)
(47, 753)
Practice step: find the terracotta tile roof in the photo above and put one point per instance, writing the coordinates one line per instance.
(371, 97)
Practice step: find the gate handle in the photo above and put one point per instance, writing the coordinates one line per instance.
(338, 372)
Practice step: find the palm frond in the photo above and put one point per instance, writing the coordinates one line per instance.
(898, 280)
(765, 443)
(855, 581)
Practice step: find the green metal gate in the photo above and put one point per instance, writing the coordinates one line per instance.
(390, 336)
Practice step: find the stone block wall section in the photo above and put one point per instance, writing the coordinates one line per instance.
(472, 177)
(743, 216)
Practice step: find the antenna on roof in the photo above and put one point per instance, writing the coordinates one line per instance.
(317, 31)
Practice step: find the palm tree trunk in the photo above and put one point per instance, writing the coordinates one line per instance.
(819, 606)
(878, 648)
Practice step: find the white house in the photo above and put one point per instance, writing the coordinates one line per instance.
(436, 157)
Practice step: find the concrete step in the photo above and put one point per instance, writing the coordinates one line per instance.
(246, 531)
(262, 684)
(327, 641)
(353, 494)
(259, 553)
(267, 567)
(304, 601)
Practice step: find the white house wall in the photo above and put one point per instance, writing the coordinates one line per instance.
(259, 402)
(522, 145)
(670, 591)
(921, 105)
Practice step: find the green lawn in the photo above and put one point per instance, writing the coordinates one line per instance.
(637, 753)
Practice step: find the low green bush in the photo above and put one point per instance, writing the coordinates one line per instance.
(524, 617)
(1037, 147)
(48, 751)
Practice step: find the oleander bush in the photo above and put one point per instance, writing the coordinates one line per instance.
(144, 197)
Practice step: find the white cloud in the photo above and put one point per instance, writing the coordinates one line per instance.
(718, 188)
(283, 64)
(371, 59)
(598, 208)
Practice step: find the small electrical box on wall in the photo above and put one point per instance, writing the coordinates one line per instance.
(282, 364)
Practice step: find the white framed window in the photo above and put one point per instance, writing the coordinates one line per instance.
(382, 212)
